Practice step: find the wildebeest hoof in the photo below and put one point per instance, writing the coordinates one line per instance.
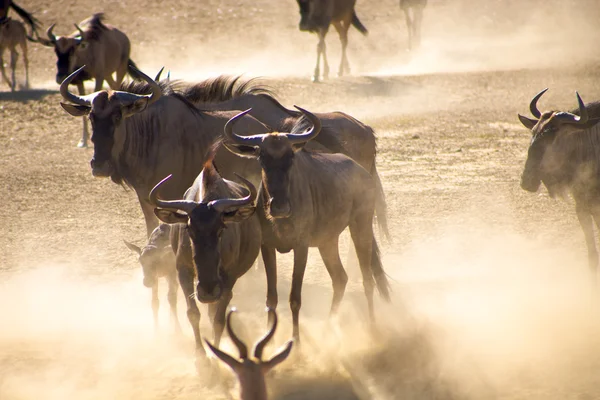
(82, 144)
(315, 79)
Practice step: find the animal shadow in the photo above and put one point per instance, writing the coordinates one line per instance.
(26, 95)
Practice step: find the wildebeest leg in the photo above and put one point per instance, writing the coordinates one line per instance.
(342, 29)
(121, 74)
(409, 27)
(300, 258)
(23, 46)
(186, 280)
(321, 51)
(13, 66)
(270, 260)
(155, 304)
(149, 217)
(172, 297)
(4, 76)
(219, 309)
(85, 135)
(111, 82)
(585, 220)
(417, 19)
(361, 231)
(331, 257)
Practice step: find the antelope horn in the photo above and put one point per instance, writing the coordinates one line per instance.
(154, 87)
(533, 105)
(81, 33)
(580, 119)
(223, 204)
(157, 78)
(258, 349)
(73, 98)
(179, 205)
(51, 35)
(254, 140)
(236, 340)
(311, 133)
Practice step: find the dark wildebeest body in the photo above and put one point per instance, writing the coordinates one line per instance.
(564, 154)
(307, 200)
(12, 34)
(413, 22)
(251, 372)
(317, 15)
(138, 141)
(102, 48)
(216, 240)
(340, 133)
(158, 261)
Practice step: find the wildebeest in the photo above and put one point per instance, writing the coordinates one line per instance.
(251, 372)
(216, 238)
(307, 200)
(413, 22)
(12, 34)
(340, 132)
(158, 260)
(29, 19)
(564, 154)
(317, 15)
(102, 48)
(140, 138)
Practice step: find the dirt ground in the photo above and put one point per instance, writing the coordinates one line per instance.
(491, 288)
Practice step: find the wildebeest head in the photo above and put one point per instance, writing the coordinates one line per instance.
(106, 111)
(275, 151)
(70, 50)
(154, 255)
(205, 223)
(544, 163)
(314, 15)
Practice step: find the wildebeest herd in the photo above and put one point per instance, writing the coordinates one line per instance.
(230, 173)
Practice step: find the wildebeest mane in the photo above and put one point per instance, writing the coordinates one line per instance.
(95, 27)
(223, 88)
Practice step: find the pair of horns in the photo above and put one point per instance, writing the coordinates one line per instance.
(256, 140)
(126, 97)
(188, 206)
(568, 117)
(52, 36)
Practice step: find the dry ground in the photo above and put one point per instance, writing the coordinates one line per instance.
(491, 290)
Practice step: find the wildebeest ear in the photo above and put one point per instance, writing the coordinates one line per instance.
(76, 110)
(242, 150)
(239, 214)
(170, 217)
(133, 247)
(137, 106)
(527, 122)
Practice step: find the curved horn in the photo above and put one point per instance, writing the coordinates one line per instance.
(81, 33)
(258, 349)
(182, 205)
(154, 87)
(223, 204)
(311, 133)
(580, 119)
(253, 140)
(236, 340)
(533, 105)
(51, 35)
(73, 98)
(157, 78)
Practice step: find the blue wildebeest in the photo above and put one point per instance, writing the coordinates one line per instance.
(251, 372)
(102, 48)
(564, 155)
(307, 200)
(216, 237)
(317, 15)
(413, 22)
(157, 261)
(29, 19)
(12, 34)
(340, 132)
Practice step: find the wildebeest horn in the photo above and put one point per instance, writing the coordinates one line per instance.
(51, 35)
(311, 133)
(533, 105)
(73, 98)
(154, 87)
(236, 340)
(157, 78)
(186, 206)
(258, 349)
(222, 205)
(253, 140)
(580, 119)
(81, 33)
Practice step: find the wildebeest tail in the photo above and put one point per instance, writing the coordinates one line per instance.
(358, 25)
(132, 72)
(380, 205)
(27, 17)
(381, 281)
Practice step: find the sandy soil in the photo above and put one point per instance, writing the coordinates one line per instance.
(491, 287)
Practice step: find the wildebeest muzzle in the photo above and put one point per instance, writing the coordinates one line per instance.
(101, 169)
